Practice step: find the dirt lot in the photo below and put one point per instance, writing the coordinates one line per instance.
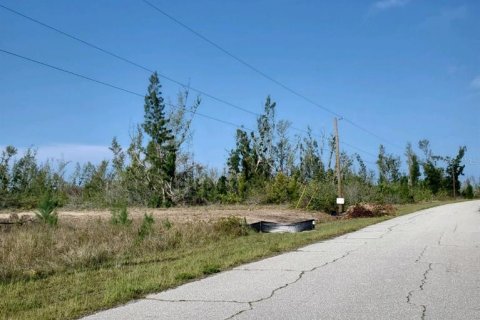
(251, 213)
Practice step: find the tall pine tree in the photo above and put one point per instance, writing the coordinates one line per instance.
(413, 166)
(454, 170)
(161, 150)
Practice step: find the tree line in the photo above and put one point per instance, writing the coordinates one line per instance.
(266, 165)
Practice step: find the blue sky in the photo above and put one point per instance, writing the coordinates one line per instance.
(405, 70)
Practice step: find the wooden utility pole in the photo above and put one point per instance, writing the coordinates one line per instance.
(339, 172)
(453, 178)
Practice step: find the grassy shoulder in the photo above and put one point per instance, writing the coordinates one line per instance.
(71, 292)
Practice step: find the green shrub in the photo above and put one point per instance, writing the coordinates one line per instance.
(146, 227)
(46, 210)
(468, 192)
(230, 198)
(120, 215)
(167, 224)
(356, 191)
(281, 189)
(422, 194)
(442, 194)
(319, 196)
(231, 226)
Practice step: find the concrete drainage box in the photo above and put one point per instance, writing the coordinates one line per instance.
(272, 227)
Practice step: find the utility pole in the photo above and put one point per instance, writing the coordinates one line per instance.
(453, 178)
(339, 172)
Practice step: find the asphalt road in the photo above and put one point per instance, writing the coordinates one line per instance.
(424, 265)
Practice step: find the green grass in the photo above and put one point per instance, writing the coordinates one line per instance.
(409, 208)
(71, 293)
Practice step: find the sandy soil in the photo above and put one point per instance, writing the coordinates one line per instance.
(185, 214)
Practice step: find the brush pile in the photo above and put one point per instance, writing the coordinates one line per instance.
(369, 210)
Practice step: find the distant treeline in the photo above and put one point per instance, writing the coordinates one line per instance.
(266, 165)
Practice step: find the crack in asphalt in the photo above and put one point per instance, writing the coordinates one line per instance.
(423, 282)
(425, 274)
(421, 287)
(196, 300)
(260, 269)
(440, 239)
(424, 312)
(302, 273)
(421, 255)
(251, 303)
(300, 276)
(389, 230)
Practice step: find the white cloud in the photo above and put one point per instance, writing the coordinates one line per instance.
(389, 4)
(475, 84)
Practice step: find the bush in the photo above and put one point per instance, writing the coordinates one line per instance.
(356, 191)
(167, 224)
(46, 210)
(120, 216)
(468, 192)
(442, 194)
(422, 194)
(281, 189)
(231, 226)
(230, 198)
(393, 193)
(319, 196)
(146, 227)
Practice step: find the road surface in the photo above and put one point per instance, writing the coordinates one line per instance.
(424, 265)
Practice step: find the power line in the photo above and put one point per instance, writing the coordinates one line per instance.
(263, 74)
(358, 149)
(78, 75)
(133, 63)
(215, 119)
(70, 72)
(343, 142)
(113, 86)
